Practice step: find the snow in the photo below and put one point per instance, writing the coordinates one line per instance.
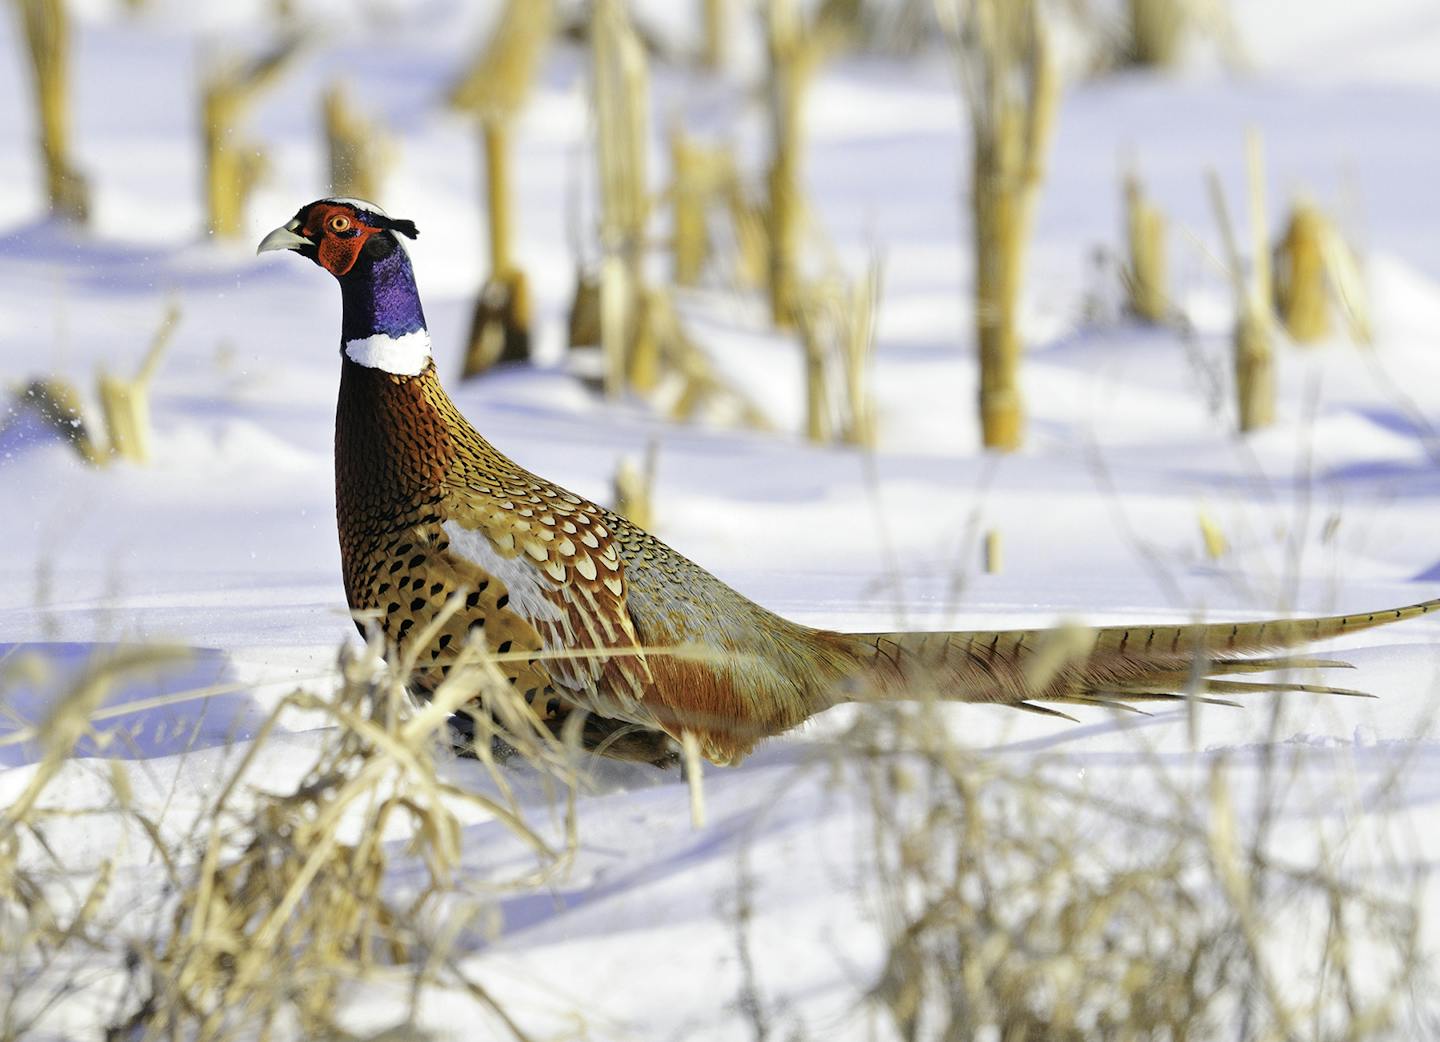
(225, 544)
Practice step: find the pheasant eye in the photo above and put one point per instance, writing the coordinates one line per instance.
(339, 223)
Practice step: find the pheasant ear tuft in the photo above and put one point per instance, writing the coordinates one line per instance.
(405, 228)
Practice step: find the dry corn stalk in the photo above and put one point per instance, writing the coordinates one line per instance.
(837, 332)
(1316, 271)
(1012, 91)
(1254, 361)
(1302, 297)
(233, 165)
(47, 38)
(583, 323)
(691, 236)
(58, 405)
(1148, 277)
(993, 553)
(643, 367)
(701, 174)
(126, 403)
(716, 48)
(817, 384)
(1156, 31)
(857, 340)
(635, 485)
(124, 406)
(796, 50)
(1348, 284)
(752, 235)
(360, 150)
(494, 89)
(622, 113)
(688, 384)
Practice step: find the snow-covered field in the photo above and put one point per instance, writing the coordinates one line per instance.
(768, 922)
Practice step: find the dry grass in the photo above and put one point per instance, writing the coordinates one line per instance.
(1017, 902)
(1022, 904)
(279, 899)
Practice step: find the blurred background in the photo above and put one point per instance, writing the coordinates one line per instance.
(893, 313)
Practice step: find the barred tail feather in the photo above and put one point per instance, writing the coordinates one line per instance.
(1115, 666)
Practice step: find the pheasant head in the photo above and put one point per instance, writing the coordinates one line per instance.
(383, 324)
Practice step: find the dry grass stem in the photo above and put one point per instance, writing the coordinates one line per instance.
(1020, 905)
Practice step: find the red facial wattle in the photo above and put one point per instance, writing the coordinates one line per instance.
(338, 235)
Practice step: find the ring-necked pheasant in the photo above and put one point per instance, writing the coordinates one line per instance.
(428, 508)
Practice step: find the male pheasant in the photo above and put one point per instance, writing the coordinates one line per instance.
(607, 619)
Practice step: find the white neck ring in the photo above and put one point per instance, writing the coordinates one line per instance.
(404, 355)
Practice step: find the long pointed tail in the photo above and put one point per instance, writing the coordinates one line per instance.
(1111, 666)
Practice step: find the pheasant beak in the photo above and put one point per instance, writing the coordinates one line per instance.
(284, 238)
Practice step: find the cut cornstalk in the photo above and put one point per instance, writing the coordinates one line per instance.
(125, 403)
(1012, 89)
(1156, 31)
(1302, 297)
(500, 326)
(622, 113)
(47, 38)
(644, 361)
(233, 165)
(857, 349)
(583, 323)
(1147, 285)
(817, 385)
(634, 485)
(493, 89)
(1254, 356)
(993, 553)
(56, 401)
(752, 236)
(360, 150)
(688, 197)
(716, 48)
(793, 57)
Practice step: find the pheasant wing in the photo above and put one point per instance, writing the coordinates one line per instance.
(557, 557)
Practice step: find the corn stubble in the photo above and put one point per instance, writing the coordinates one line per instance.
(1011, 87)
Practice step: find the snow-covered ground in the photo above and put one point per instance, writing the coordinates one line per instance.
(226, 543)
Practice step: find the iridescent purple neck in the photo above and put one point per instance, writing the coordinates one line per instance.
(380, 298)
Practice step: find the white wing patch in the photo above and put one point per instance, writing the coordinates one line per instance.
(523, 580)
